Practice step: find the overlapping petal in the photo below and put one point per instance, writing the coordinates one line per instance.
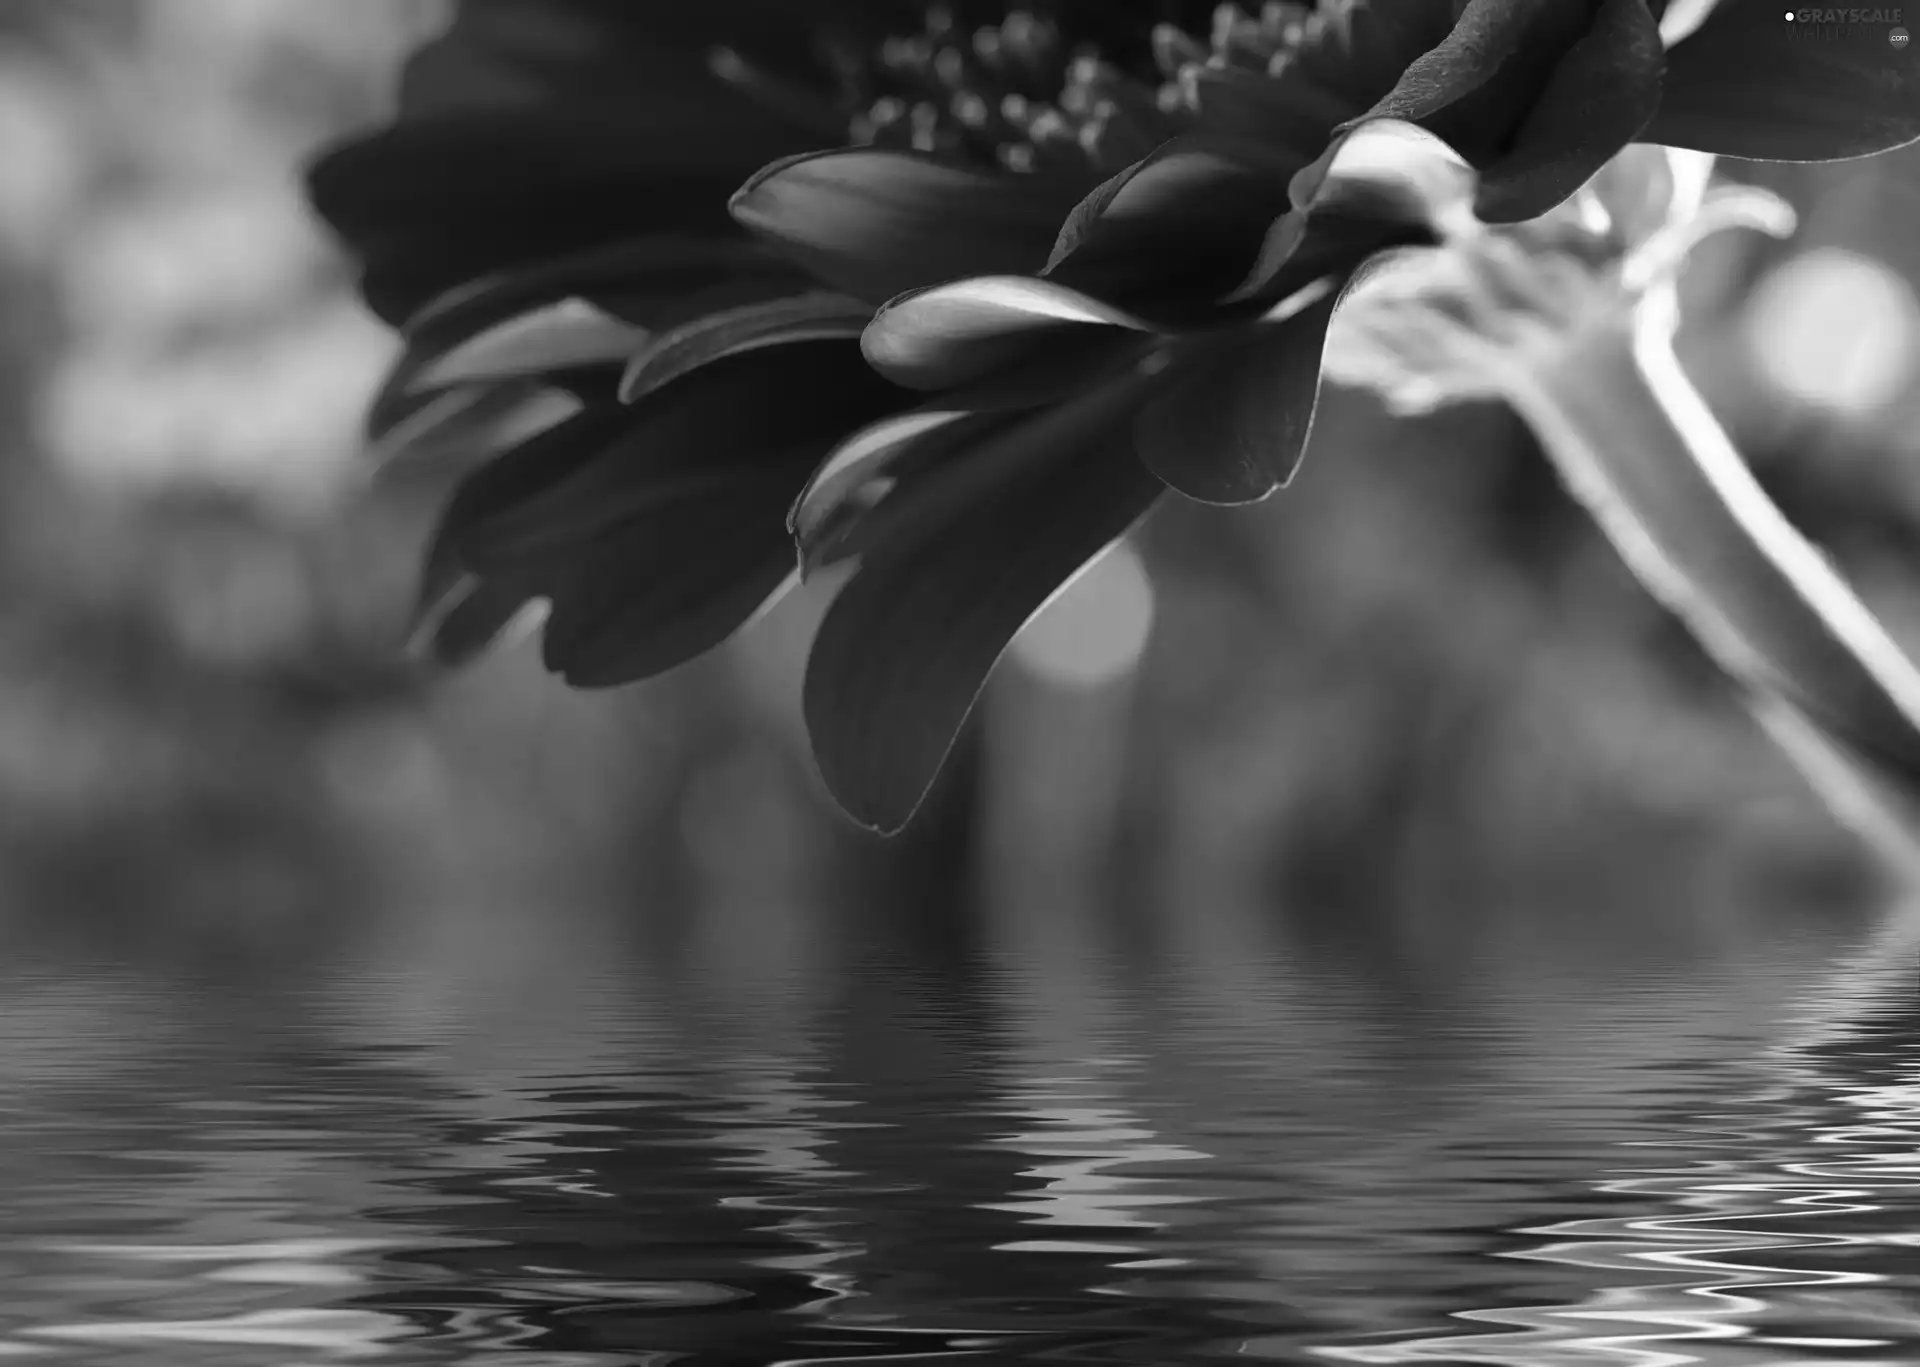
(1230, 424)
(1385, 182)
(951, 334)
(1599, 98)
(812, 316)
(1188, 219)
(656, 530)
(976, 551)
(876, 223)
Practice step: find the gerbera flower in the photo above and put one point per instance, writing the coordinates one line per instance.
(1075, 257)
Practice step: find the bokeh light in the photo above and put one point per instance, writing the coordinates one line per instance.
(1836, 330)
(1096, 629)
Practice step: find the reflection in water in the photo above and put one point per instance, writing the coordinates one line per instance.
(1215, 1136)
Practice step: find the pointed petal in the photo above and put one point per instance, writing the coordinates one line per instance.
(949, 334)
(466, 622)
(622, 278)
(1599, 98)
(810, 317)
(465, 425)
(559, 336)
(875, 223)
(1746, 85)
(861, 470)
(651, 283)
(908, 644)
(1231, 423)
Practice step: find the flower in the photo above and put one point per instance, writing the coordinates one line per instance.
(1075, 259)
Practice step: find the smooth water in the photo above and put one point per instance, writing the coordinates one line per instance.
(1066, 1143)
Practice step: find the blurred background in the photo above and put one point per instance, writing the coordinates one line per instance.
(1344, 786)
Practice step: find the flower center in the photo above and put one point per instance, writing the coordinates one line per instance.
(1071, 85)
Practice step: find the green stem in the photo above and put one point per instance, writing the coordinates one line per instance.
(1637, 445)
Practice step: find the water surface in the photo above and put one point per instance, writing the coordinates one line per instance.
(768, 1144)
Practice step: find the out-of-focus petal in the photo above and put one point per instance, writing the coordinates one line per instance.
(466, 622)
(465, 425)
(1230, 424)
(876, 223)
(626, 59)
(1599, 98)
(1744, 85)
(907, 645)
(651, 283)
(949, 334)
(432, 204)
(811, 317)
(656, 530)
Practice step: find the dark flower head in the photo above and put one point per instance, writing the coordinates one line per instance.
(1053, 263)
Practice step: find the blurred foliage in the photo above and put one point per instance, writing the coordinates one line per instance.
(1414, 681)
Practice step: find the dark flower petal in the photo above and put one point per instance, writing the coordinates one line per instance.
(946, 335)
(1231, 422)
(464, 425)
(907, 645)
(448, 582)
(667, 584)
(563, 335)
(624, 52)
(1292, 115)
(1743, 85)
(864, 467)
(630, 279)
(1473, 86)
(1384, 183)
(758, 411)
(666, 531)
(810, 317)
(506, 483)
(644, 281)
(466, 621)
(876, 223)
(1599, 98)
(432, 204)
(651, 283)
(1188, 219)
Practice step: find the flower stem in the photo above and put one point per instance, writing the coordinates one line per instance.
(1640, 449)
